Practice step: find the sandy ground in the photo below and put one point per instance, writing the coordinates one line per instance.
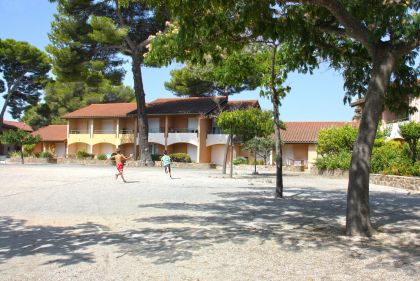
(79, 223)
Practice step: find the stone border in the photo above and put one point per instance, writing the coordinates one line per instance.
(32, 160)
(410, 183)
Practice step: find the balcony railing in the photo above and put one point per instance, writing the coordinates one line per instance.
(78, 132)
(126, 132)
(182, 130)
(156, 130)
(109, 132)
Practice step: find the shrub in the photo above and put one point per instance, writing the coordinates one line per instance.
(403, 169)
(14, 154)
(82, 154)
(102, 157)
(334, 161)
(28, 149)
(392, 152)
(46, 154)
(335, 140)
(240, 160)
(156, 157)
(259, 162)
(180, 157)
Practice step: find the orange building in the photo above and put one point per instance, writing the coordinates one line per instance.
(175, 124)
(54, 139)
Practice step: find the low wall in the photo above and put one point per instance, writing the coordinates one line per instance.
(132, 163)
(411, 183)
(31, 160)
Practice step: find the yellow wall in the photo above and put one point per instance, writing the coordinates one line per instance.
(73, 148)
(312, 155)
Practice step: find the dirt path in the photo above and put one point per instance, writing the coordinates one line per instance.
(78, 223)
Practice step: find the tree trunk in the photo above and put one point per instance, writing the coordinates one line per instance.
(255, 162)
(358, 212)
(143, 126)
(3, 110)
(277, 137)
(225, 156)
(21, 154)
(231, 156)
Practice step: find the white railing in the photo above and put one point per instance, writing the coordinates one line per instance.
(190, 138)
(213, 139)
(78, 132)
(109, 132)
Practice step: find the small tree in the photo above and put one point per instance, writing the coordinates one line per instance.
(19, 138)
(411, 134)
(245, 125)
(261, 146)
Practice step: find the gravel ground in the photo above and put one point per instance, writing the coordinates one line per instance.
(79, 223)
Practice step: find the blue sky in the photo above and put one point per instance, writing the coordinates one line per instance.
(317, 97)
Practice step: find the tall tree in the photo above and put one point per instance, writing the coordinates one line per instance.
(23, 73)
(373, 43)
(63, 97)
(89, 36)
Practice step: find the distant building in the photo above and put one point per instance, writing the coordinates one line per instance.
(54, 140)
(175, 124)
(5, 149)
(389, 119)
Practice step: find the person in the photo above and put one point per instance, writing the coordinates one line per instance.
(166, 162)
(119, 159)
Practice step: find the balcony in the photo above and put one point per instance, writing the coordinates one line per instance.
(78, 136)
(213, 139)
(104, 136)
(126, 136)
(182, 135)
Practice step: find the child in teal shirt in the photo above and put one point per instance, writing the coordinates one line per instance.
(166, 162)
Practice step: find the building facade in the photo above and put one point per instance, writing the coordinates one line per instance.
(184, 125)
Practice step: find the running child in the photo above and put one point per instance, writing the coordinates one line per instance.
(166, 162)
(119, 161)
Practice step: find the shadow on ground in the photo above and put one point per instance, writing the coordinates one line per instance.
(313, 219)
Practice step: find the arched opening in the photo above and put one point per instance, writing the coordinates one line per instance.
(188, 148)
(103, 148)
(77, 146)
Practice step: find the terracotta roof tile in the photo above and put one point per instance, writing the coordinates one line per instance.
(103, 110)
(190, 105)
(52, 133)
(17, 125)
(307, 132)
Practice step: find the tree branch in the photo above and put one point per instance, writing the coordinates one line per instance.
(122, 23)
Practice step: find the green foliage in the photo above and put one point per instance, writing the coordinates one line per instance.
(102, 157)
(411, 134)
(156, 157)
(46, 154)
(15, 154)
(262, 146)
(240, 160)
(246, 124)
(180, 157)
(339, 160)
(19, 138)
(403, 169)
(82, 154)
(258, 162)
(24, 69)
(61, 98)
(335, 140)
(28, 149)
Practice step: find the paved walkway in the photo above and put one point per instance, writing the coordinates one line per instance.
(78, 223)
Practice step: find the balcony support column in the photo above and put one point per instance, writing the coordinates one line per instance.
(117, 142)
(166, 131)
(90, 146)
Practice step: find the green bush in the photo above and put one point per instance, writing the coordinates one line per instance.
(403, 169)
(334, 161)
(82, 154)
(156, 157)
(391, 153)
(259, 162)
(46, 154)
(14, 154)
(102, 157)
(180, 157)
(240, 160)
(28, 149)
(335, 140)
